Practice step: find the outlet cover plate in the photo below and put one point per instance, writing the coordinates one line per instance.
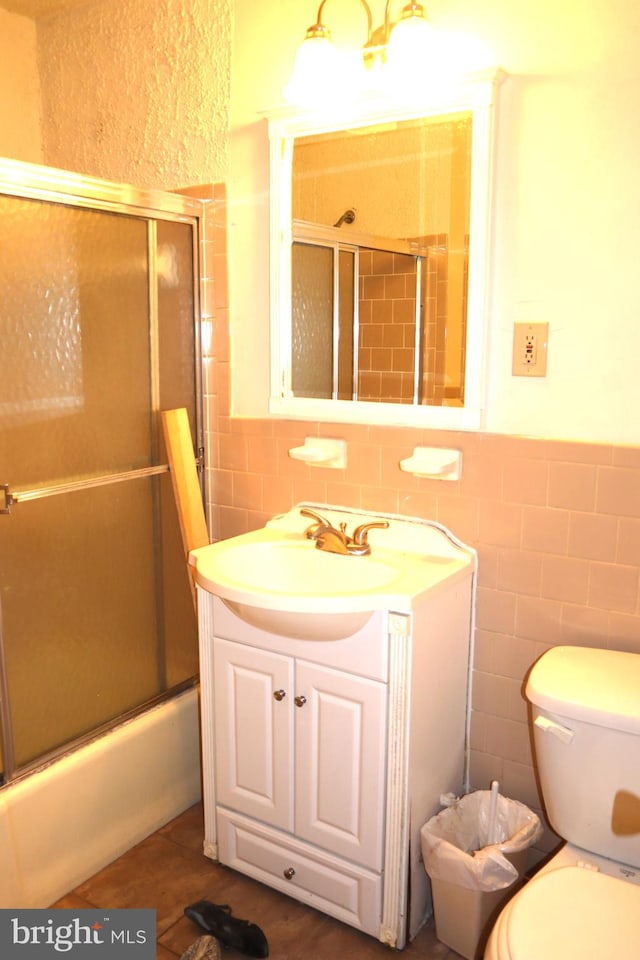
(530, 349)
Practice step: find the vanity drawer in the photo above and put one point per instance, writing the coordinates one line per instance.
(341, 889)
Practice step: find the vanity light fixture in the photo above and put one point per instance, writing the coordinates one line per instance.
(322, 71)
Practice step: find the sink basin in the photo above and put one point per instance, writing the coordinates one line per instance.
(277, 580)
(297, 568)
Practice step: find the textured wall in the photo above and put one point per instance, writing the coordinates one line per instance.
(20, 134)
(138, 92)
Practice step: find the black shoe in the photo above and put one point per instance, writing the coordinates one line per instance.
(240, 934)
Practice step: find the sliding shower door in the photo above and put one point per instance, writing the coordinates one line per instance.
(98, 302)
(324, 320)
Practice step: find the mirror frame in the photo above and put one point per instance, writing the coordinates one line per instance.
(475, 94)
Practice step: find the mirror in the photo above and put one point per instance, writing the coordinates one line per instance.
(380, 261)
(380, 229)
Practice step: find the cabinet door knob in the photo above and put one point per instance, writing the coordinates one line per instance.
(300, 701)
(289, 873)
(279, 694)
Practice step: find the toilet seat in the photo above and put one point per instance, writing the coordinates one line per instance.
(568, 912)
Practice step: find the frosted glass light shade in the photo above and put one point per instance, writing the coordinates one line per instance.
(323, 73)
(316, 70)
(410, 44)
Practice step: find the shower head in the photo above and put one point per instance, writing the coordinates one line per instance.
(347, 217)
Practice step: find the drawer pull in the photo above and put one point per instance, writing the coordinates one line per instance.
(300, 701)
(289, 873)
(279, 694)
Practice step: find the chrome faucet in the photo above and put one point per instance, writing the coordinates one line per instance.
(333, 540)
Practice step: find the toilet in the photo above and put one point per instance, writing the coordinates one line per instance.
(585, 902)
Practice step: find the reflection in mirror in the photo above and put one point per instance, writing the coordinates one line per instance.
(380, 257)
(379, 268)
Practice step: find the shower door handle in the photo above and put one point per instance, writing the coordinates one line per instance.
(7, 498)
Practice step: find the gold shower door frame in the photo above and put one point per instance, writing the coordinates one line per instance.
(96, 618)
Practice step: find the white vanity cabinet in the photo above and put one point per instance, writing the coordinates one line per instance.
(295, 754)
(301, 747)
(334, 709)
(323, 758)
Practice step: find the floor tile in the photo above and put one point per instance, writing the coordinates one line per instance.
(168, 871)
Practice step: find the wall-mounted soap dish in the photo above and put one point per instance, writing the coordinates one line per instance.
(436, 463)
(321, 452)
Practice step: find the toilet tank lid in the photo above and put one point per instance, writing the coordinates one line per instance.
(598, 686)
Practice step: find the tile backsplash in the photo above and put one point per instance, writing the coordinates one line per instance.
(556, 526)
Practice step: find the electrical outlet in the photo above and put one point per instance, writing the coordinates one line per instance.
(530, 349)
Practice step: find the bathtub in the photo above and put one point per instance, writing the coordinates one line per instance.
(63, 823)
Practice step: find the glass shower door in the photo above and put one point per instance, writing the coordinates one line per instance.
(96, 336)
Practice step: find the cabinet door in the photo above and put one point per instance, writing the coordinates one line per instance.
(253, 690)
(340, 734)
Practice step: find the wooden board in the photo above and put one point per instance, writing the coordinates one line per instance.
(186, 486)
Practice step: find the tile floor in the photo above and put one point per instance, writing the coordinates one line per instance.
(168, 871)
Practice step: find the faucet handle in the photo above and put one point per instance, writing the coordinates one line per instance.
(315, 529)
(361, 533)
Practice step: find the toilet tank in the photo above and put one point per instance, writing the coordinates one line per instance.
(586, 725)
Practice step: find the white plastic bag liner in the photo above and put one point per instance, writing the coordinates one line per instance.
(455, 844)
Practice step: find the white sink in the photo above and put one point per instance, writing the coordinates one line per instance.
(298, 569)
(276, 579)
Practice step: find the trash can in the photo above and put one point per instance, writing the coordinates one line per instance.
(475, 852)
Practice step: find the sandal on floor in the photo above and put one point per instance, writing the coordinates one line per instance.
(204, 948)
(239, 934)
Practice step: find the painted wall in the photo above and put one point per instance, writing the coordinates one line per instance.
(567, 217)
(20, 112)
(131, 91)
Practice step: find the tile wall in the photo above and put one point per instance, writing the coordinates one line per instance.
(435, 281)
(387, 326)
(387, 316)
(556, 526)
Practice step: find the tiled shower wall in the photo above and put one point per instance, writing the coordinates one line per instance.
(387, 326)
(556, 526)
